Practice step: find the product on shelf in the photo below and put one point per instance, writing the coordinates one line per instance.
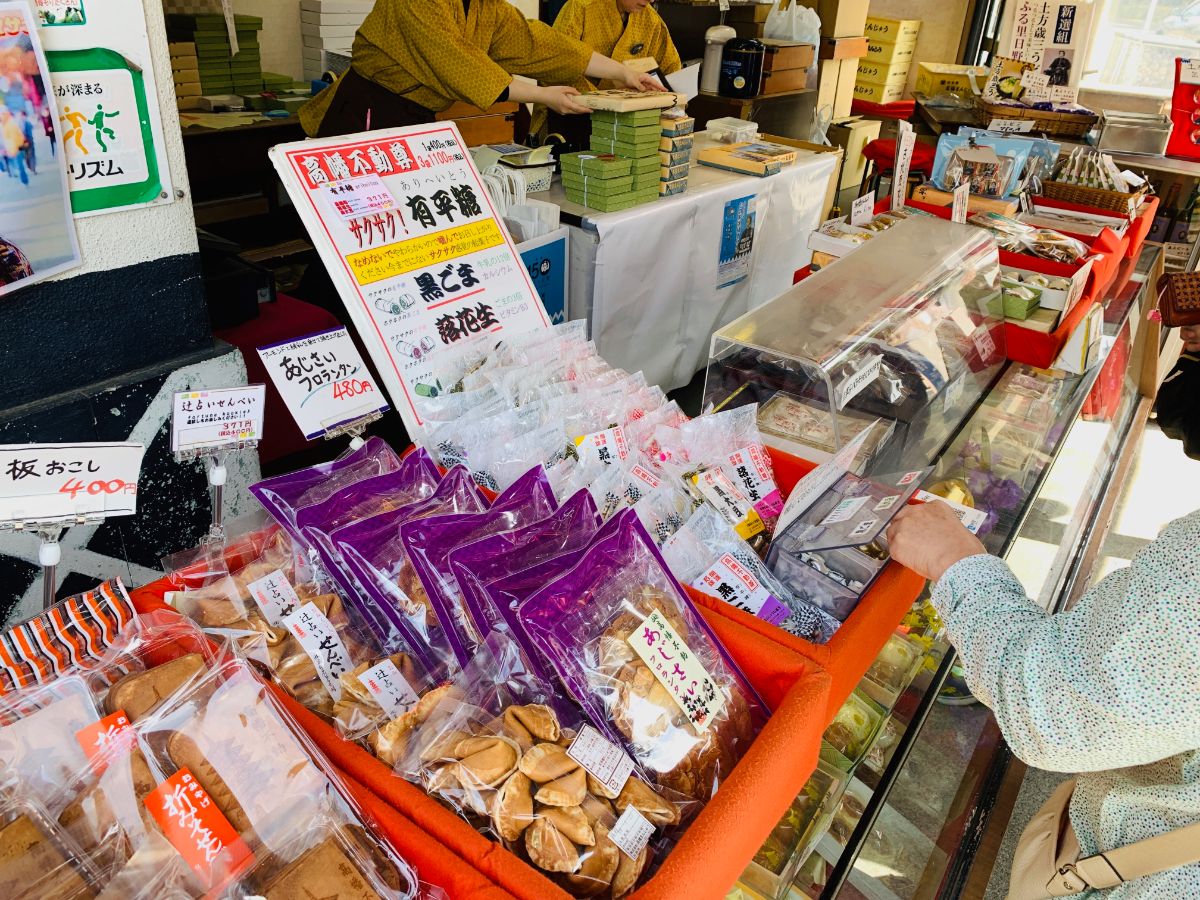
(854, 727)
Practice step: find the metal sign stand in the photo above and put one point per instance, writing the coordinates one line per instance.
(355, 428)
(217, 472)
(49, 532)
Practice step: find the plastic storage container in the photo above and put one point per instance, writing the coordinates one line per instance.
(731, 130)
(900, 332)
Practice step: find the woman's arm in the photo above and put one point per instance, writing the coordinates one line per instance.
(600, 68)
(556, 97)
(1111, 683)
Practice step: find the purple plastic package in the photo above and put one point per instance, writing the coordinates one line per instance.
(283, 495)
(633, 651)
(505, 595)
(375, 557)
(428, 542)
(415, 480)
(474, 565)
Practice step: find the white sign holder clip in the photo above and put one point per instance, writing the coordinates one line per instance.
(356, 428)
(49, 550)
(218, 473)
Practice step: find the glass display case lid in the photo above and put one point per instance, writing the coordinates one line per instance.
(853, 512)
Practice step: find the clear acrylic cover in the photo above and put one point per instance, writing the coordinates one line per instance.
(899, 330)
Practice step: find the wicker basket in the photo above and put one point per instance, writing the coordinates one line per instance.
(1057, 124)
(1113, 201)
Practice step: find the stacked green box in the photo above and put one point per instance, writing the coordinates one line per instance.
(598, 181)
(222, 71)
(632, 137)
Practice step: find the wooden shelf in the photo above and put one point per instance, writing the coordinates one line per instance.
(759, 99)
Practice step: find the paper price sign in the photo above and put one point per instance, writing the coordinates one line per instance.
(1011, 126)
(1189, 71)
(323, 381)
(862, 210)
(410, 238)
(42, 482)
(904, 150)
(962, 197)
(1064, 96)
(217, 418)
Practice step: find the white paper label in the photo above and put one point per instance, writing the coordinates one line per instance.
(716, 487)
(862, 210)
(886, 503)
(1132, 179)
(320, 641)
(953, 393)
(355, 197)
(734, 583)
(678, 670)
(217, 418)
(1189, 71)
(972, 519)
(984, 343)
(962, 197)
(604, 760)
(821, 479)
(275, 597)
(905, 142)
(854, 384)
(1011, 126)
(1062, 95)
(844, 510)
(389, 688)
(864, 527)
(41, 482)
(645, 476)
(1037, 95)
(632, 833)
(609, 445)
(323, 381)
(1031, 78)
(753, 471)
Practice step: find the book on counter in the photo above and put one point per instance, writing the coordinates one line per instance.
(750, 157)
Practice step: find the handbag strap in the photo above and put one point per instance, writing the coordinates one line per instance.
(1169, 850)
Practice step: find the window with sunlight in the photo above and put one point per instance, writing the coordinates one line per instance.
(1136, 43)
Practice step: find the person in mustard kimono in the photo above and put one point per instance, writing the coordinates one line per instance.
(621, 29)
(412, 59)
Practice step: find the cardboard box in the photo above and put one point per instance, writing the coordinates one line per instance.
(937, 78)
(877, 93)
(892, 31)
(748, 157)
(843, 48)
(669, 188)
(676, 144)
(885, 53)
(787, 55)
(927, 193)
(783, 80)
(835, 85)
(893, 75)
(852, 135)
(841, 18)
(671, 127)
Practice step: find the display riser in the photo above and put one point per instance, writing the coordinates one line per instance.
(174, 507)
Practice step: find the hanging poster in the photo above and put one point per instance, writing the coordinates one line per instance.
(37, 232)
(409, 236)
(737, 241)
(103, 78)
(1049, 34)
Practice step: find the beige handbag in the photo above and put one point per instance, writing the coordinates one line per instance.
(1047, 862)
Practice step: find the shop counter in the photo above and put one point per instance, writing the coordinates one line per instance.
(650, 280)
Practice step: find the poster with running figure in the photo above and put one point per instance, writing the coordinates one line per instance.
(103, 77)
(37, 231)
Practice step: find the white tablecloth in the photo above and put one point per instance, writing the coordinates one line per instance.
(646, 278)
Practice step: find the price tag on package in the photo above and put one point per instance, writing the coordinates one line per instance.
(984, 342)
(1011, 126)
(960, 204)
(321, 642)
(323, 381)
(45, 482)
(390, 689)
(604, 760)
(222, 417)
(862, 210)
(631, 833)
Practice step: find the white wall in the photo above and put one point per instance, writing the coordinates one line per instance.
(942, 26)
(280, 38)
(119, 239)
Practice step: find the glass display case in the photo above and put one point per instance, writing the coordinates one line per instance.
(899, 332)
(1038, 455)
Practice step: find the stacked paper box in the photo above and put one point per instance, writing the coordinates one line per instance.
(599, 181)
(185, 69)
(328, 27)
(883, 72)
(674, 130)
(221, 71)
(634, 138)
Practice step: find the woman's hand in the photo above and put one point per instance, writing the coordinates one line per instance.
(1191, 338)
(929, 539)
(638, 81)
(560, 98)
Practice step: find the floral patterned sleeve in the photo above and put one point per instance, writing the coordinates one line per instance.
(1111, 683)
